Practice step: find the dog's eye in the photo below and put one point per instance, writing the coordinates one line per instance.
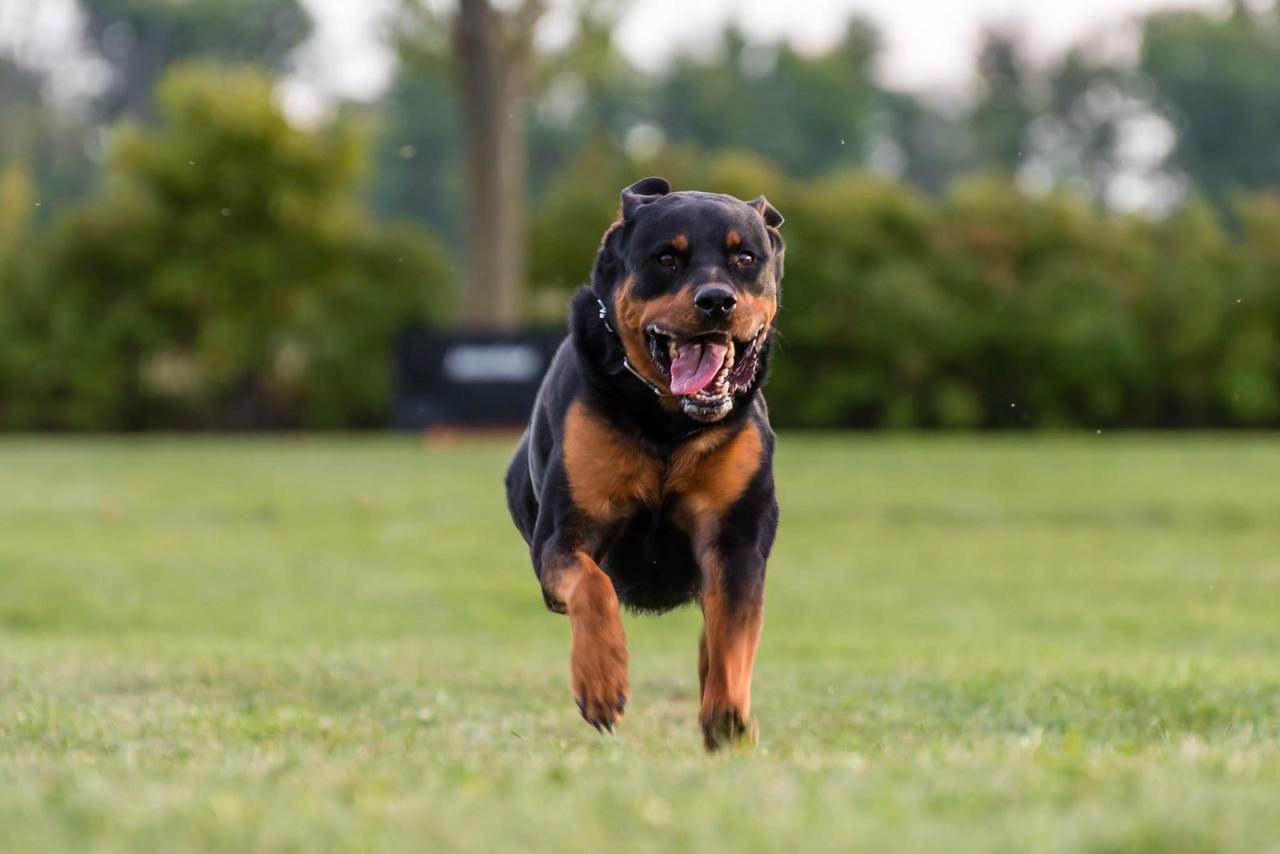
(744, 259)
(666, 259)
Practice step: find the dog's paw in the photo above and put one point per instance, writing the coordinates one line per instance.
(728, 728)
(599, 671)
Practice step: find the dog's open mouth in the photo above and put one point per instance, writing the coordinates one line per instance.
(705, 371)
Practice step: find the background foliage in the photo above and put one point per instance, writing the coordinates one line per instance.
(226, 275)
(987, 307)
(183, 254)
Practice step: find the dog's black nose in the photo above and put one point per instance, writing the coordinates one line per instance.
(715, 301)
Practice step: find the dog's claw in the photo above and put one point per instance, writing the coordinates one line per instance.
(609, 726)
(622, 703)
(729, 730)
(582, 706)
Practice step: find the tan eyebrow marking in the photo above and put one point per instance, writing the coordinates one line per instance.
(680, 243)
(733, 240)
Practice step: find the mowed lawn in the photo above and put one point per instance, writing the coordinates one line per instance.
(971, 644)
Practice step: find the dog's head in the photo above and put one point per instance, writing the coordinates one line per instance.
(691, 283)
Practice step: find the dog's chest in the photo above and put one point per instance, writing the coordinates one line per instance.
(610, 476)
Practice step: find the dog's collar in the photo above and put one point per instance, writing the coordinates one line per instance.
(626, 363)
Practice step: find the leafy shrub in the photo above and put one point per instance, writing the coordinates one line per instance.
(226, 276)
(985, 308)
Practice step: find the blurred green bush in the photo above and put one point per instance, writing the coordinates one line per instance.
(226, 275)
(986, 308)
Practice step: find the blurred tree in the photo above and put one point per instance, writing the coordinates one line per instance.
(19, 93)
(808, 113)
(1249, 388)
(1076, 137)
(227, 277)
(1217, 77)
(419, 147)
(567, 224)
(576, 93)
(49, 144)
(139, 39)
(1000, 118)
(15, 206)
(584, 93)
(492, 50)
(490, 53)
(930, 140)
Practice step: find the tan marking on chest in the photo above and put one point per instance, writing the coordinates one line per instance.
(607, 473)
(711, 473)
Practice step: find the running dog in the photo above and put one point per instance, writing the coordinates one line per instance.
(645, 476)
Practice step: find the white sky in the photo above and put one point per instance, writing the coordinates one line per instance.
(929, 44)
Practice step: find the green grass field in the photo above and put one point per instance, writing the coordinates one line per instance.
(971, 644)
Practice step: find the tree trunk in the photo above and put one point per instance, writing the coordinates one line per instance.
(492, 52)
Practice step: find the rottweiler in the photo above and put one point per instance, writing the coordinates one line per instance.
(645, 476)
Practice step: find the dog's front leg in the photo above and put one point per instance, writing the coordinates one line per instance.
(575, 584)
(733, 612)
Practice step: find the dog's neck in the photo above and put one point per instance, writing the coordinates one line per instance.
(626, 360)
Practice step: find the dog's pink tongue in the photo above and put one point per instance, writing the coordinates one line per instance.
(695, 365)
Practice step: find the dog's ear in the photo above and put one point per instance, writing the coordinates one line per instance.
(608, 267)
(772, 218)
(643, 192)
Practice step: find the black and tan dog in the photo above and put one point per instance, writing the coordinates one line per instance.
(645, 476)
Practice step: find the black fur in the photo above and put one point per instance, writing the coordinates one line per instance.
(648, 557)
